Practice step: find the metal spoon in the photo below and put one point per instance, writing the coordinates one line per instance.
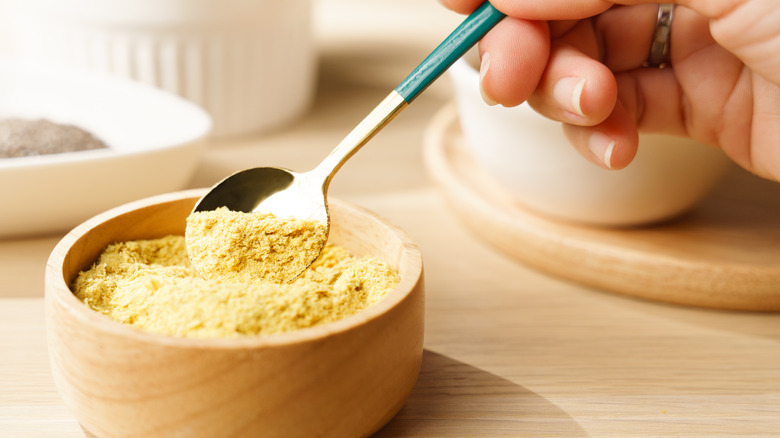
(285, 193)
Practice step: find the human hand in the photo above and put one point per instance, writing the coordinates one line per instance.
(581, 62)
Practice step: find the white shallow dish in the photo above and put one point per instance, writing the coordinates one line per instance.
(155, 139)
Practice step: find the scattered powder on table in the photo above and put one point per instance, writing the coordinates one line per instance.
(252, 247)
(23, 138)
(151, 284)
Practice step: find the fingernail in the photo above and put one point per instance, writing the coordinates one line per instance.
(483, 68)
(568, 93)
(602, 146)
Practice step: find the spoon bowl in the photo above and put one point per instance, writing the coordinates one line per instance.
(275, 190)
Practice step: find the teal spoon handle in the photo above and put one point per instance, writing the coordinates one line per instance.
(474, 27)
(471, 30)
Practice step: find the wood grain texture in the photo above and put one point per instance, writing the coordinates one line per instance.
(725, 254)
(347, 378)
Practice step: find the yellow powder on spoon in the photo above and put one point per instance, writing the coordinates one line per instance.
(252, 247)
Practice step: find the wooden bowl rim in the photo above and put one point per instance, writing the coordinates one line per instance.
(57, 289)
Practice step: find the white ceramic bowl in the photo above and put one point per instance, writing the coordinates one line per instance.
(155, 141)
(530, 156)
(250, 64)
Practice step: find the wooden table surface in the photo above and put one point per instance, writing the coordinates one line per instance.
(508, 351)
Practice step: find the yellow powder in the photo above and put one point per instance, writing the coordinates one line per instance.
(252, 247)
(151, 284)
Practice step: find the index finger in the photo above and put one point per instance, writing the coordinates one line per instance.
(578, 9)
(536, 10)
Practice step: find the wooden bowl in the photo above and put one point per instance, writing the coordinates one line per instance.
(343, 379)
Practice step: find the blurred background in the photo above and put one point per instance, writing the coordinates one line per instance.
(361, 50)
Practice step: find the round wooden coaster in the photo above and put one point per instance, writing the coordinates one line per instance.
(724, 254)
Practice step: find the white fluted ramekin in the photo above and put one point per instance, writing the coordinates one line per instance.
(250, 63)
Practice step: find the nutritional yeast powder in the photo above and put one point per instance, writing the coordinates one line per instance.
(152, 285)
